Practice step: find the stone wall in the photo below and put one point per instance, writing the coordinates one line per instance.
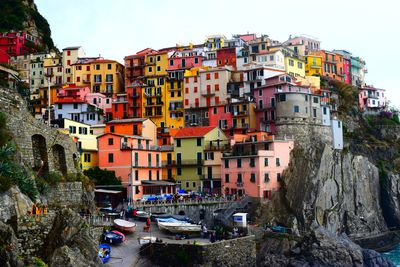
(31, 135)
(305, 133)
(235, 252)
(64, 195)
(32, 233)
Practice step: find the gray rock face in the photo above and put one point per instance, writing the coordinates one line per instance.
(318, 247)
(339, 191)
(69, 242)
(9, 256)
(391, 200)
(14, 204)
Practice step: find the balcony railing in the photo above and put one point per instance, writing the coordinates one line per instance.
(240, 113)
(239, 184)
(213, 177)
(208, 93)
(215, 147)
(166, 163)
(191, 162)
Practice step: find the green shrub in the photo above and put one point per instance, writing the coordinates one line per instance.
(52, 178)
(5, 183)
(39, 262)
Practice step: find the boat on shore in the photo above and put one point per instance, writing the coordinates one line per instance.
(126, 226)
(183, 218)
(179, 227)
(113, 237)
(104, 253)
(142, 215)
(147, 240)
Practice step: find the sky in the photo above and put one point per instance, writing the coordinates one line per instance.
(115, 29)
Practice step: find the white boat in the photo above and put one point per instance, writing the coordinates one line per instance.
(125, 226)
(179, 227)
(146, 240)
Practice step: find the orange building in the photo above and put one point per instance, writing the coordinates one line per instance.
(332, 65)
(136, 161)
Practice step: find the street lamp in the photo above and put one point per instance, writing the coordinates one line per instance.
(48, 75)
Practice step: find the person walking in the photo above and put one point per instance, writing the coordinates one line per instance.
(148, 222)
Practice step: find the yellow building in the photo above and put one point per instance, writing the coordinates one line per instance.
(154, 94)
(295, 66)
(107, 77)
(313, 65)
(214, 42)
(87, 142)
(243, 115)
(53, 69)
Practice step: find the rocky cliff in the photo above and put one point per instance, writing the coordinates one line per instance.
(338, 190)
(23, 15)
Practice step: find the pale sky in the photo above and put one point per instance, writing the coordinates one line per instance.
(115, 29)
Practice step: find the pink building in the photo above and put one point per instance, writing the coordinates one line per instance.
(265, 100)
(347, 70)
(99, 100)
(72, 93)
(186, 59)
(255, 165)
(372, 99)
(15, 44)
(137, 157)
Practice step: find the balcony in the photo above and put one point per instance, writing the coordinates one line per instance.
(109, 81)
(152, 115)
(174, 89)
(239, 184)
(135, 95)
(216, 147)
(191, 162)
(315, 66)
(208, 93)
(240, 126)
(135, 105)
(209, 178)
(240, 113)
(168, 164)
(330, 61)
(125, 146)
(154, 104)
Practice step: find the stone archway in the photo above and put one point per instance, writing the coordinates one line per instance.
(40, 156)
(60, 163)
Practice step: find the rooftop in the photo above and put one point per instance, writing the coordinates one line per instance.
(194, 132)
(127, 120)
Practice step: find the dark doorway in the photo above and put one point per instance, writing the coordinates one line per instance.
(40, 157)
(60, 163)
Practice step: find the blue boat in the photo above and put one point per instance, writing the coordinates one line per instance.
(104, 253)
(113, 237)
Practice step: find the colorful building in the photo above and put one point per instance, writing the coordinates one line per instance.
(372, 99)
(107, 77)
(255, 165)
(357, 71)
(17, 43)
(136, 160)
(70, 56)
(313, 64)
(86, 141)
(190, 146)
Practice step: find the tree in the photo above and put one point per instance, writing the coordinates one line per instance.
(102, 177)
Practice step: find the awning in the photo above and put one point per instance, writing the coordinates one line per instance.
(156, 183)
(107, 191)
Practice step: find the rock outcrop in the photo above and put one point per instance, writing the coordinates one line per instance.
(9, 256)
(69, 242)
(318, 247)
(338, 190)
(14, 204)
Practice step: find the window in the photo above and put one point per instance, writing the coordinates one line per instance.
(195, 79)
(86, 157)
(296, 109)
(199, 170)
(179, 159)
(110, 157)
(158, 58)
(195, 89)
(299, 65)
(216, 75)
(338, 124)
(217, 87)
(291, 62)
(109, 66)
(97, 66)
(199, 158)
(266, 177)
(158, 68)
(239, 178)
(282, 97)
(278, 177)
(196, 60)
(226, 178)
(315, 99)
(149, 159)
(198, 141)
(253, 177)
(110, 141)
(68, 53)
(109, 78)
(278, 162)
(179, 171)
(150, 69)
(68, 62)
(266, 162)
(314, 112)
(226, 164)
(187, 184)
(208, 76)
(171, 62)
(136, 175)
(239, 163)
(150, 175)
(158, 175)
(325, 110)
(194, 184)
(252, 162)
(59, 106)
(178, 142)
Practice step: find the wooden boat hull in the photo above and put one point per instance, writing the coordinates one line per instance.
(177, 228)
(125, 226)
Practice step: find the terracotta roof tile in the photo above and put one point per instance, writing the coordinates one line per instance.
(193, 131)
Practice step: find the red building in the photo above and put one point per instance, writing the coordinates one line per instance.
(226, 57)
(220, 116)
(16, 44)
